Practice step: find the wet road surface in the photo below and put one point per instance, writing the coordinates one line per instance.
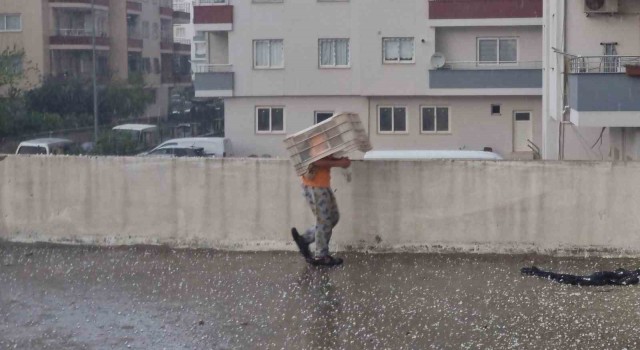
(60, 297)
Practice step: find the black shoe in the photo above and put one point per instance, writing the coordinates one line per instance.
(302, 245)
(326, 261)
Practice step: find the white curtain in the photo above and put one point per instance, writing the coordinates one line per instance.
(508, 50)
(262, 53)
(487, 50)
(391, 50)
(326, 53)
(342, 52)
(406, 49)
(277, 54)
(201, 49)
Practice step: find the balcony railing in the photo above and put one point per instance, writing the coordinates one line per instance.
(601, 64)
(134, 6)
(77, 32)
(476, 9)
(211, 2)
(182, 7)
(213, 68)
(476, 65)
(104, 3)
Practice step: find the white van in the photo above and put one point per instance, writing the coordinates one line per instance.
(211, 146)
(430, 154)
(45, 146)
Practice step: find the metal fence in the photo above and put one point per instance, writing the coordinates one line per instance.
(601, 64)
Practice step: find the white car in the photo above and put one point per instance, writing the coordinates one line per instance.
(211, 146)
(45, 146)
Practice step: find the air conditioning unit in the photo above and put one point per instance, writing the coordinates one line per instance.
(600, 6)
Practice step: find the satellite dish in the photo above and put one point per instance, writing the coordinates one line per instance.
(438, 60)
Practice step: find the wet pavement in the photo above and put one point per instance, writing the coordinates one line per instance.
(60, 297)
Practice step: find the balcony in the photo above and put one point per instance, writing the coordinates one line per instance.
(182, 46)
(211, 17)
(166, 12)
(480, 75)
(603, 92)
(134, 7)
(77, 39)
(182, 13)
(485, 12)
(134, 44)
(166, 46)
(213, 80)
(84, 4)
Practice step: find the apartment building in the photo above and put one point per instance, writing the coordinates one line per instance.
(592, 96)
(446, 74)
(133, 38)
(185, 32)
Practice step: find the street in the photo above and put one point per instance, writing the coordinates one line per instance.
(68, 297)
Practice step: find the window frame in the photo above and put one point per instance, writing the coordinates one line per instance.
(435, 120)
(270, 131)
(399, 61)
(334, 43)
(255, 42)
(393, 113)
(498, 62)
(315, 115)
(4, 18)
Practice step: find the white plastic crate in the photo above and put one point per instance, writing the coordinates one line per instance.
(338, 135)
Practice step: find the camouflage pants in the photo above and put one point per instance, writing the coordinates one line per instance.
(324, 207)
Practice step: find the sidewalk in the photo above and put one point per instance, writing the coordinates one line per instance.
(54, 297)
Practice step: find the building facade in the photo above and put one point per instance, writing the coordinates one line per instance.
(446, 74)
(592, 98)
(134, 39)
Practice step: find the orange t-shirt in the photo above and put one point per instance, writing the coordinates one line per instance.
(321, 179)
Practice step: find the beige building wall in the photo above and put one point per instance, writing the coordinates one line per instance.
(33, 38)
(471, 124)
(118, 60)
(459, 44)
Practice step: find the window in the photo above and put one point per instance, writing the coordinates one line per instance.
(270, 120)
(200, 36)
(435, 120)
(156, 65)
(147, 65)
(398, 50)
(200, 50)
(320, 116)
(181, 32)
(217, 2)
(495, 110)
(610, 64)
(392, 119)
(145, 29)
(497, 50)
(155, 31)
(334, 53)
(268, 54)
(10, 23)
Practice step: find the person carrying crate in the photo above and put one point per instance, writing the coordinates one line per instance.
(316, 186)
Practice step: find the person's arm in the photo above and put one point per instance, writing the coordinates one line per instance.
(331, 162)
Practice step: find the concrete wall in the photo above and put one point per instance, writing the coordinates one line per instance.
(241, 204)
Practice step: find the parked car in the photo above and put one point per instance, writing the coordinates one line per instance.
(211, 146)
(430, 154)
(176, 151)
(47, 146)
(144, 136)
